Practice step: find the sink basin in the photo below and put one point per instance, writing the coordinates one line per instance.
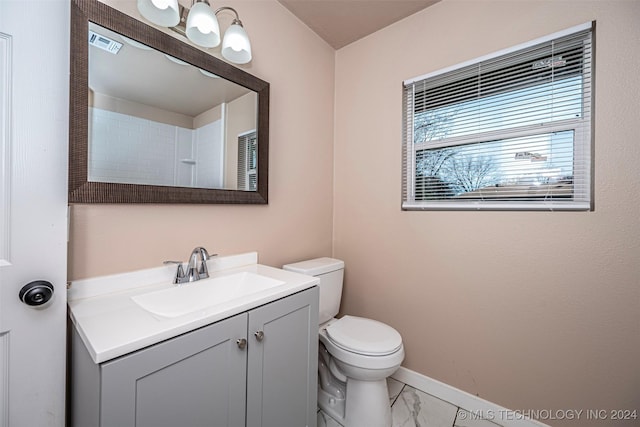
(203, 294)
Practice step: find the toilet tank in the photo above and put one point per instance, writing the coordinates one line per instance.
(330, 271)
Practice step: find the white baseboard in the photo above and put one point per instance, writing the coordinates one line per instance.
(477, 408)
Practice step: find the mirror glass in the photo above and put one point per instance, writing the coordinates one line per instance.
(156, 120)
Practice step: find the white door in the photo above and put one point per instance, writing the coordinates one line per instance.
(34, 91)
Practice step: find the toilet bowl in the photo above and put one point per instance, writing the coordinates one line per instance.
(356, 354)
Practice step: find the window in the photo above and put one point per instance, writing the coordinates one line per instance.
(507, 131)
(248, 161)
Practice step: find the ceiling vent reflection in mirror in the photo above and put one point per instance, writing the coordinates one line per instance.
(200, 25)
(104, 43)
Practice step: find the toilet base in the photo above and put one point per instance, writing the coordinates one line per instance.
(331, 405)
(367, 404)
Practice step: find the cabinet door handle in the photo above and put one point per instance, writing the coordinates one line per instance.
(259, 335)
(242, 343)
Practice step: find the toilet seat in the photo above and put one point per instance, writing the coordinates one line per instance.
(364, 336)
(339, 352)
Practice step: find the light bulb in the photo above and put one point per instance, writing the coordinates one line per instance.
(236, 46)
(202, 26)
(161, 4)
(161, 12)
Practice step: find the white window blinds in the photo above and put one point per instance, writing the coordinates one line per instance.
(248, 161)
(508, 131)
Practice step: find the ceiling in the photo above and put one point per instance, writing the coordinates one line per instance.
(340, 22)
(176, 86)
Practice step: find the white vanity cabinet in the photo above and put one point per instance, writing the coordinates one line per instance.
(209, 376)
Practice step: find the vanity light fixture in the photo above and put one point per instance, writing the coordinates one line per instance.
(200, 25)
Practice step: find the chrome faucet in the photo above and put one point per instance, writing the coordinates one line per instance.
(196, 268)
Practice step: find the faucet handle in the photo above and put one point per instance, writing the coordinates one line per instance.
(179, 277)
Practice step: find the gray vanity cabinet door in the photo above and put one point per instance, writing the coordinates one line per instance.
(283, 362)
(194, 380)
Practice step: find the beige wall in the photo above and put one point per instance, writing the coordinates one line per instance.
(206, 117)
(526, 309)
(296, 223)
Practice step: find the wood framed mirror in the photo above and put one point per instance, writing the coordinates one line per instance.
(182, 179)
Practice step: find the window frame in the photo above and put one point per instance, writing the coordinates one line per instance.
(582, 186)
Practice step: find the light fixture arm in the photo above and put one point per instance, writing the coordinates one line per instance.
(236, 19)
(220, 9)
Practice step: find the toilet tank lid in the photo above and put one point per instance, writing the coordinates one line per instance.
(315, 267)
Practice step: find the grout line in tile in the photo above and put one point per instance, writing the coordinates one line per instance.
(398, 395)
(455, 420)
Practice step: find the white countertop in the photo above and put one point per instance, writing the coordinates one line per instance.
(111, 324)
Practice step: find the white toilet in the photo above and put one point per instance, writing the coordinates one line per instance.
(356, 354)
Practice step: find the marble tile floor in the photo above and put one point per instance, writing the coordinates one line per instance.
(411, 407)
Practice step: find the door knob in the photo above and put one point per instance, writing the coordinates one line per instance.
(36, 293)
(259, 335)
(242, 343)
